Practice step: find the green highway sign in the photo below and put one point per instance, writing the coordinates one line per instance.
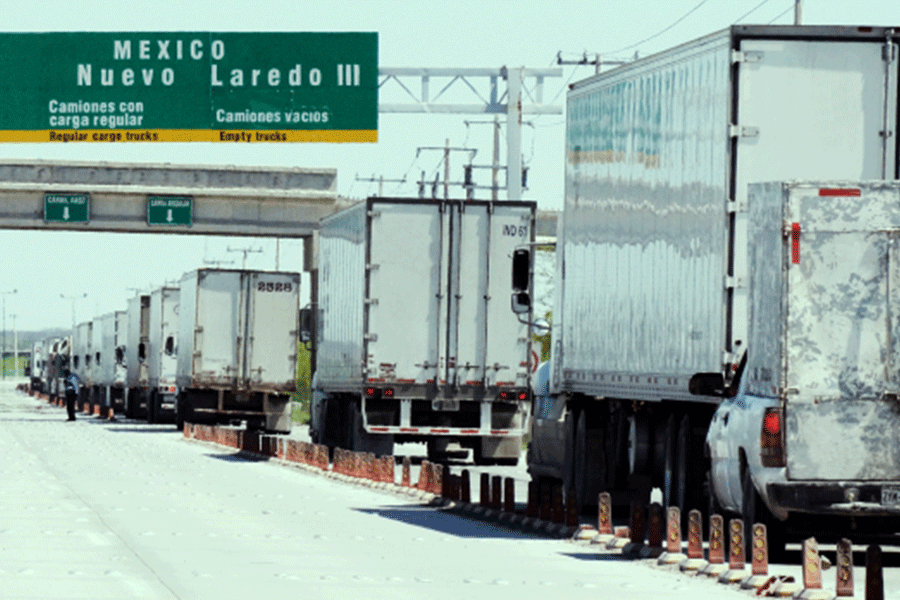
(189, 86)
(170, 210)
(66, 208)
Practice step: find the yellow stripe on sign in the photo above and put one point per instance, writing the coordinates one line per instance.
(189, 135)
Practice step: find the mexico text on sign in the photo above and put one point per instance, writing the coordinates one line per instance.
(184, 87)
(67, 208)
(170, 210)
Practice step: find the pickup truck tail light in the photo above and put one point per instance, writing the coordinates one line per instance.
(771, 440)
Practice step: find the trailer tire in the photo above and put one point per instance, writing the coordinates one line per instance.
(576, 469)
(151, 408)
(681, 496)
(639, 445)
(179, 411)
(669, 470)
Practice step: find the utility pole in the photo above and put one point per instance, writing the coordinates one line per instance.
(15, 348)
(246, 251)
(596, 61)
(798, 12)
(217, 263)
(446, 149)
(73, 299)
(380, 179)
(3, 353)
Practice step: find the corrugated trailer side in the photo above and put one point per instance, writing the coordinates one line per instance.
(342, 277)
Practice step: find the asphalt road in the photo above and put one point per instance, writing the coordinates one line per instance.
(97, 509)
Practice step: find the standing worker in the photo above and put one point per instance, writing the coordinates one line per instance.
(73, 386)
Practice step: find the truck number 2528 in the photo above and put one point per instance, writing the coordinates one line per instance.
(515, 230)
(268, 286)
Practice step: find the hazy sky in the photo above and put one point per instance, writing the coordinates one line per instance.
(461, 33)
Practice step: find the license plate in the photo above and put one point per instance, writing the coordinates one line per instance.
(890, 495)
(445, 405)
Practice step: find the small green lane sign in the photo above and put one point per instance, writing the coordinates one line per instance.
(170, 210)
(66, 208)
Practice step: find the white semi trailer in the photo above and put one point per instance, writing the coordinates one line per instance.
(137, 378)
(650, 323)
(415, 338)
(162, 348)
(109, 359)
(237, 357)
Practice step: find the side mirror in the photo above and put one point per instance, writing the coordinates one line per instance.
(306, 325)
(707, 384)
(521, 270)
(521, 302)
(521, 281)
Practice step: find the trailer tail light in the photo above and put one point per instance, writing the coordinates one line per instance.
(388, 392)
(771, 441)
(795, 243)
(840, 192)
(371, 392)
(523, 395)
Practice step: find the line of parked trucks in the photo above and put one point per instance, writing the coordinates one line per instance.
(721, 330)
(220, 347)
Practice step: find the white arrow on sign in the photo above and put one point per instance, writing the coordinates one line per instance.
(65, 213)
(169, 216)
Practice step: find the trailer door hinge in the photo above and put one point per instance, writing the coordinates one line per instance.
(370, 301)
(374, 213)
(371, 337)
(371, 267)
(743, 131)
(734, 282)
(746, 57)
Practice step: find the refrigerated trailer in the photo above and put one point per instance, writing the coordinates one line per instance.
(109, 359)
(237, 356)
(650, 322)
(415, 340)
(162, 348)
(136, 366)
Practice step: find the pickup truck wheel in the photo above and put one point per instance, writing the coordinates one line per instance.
(753, 510)
(712, 504)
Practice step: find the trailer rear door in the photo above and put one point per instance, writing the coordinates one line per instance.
(842, 408)
(405, 299)
(272, 329)
(808, 110)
